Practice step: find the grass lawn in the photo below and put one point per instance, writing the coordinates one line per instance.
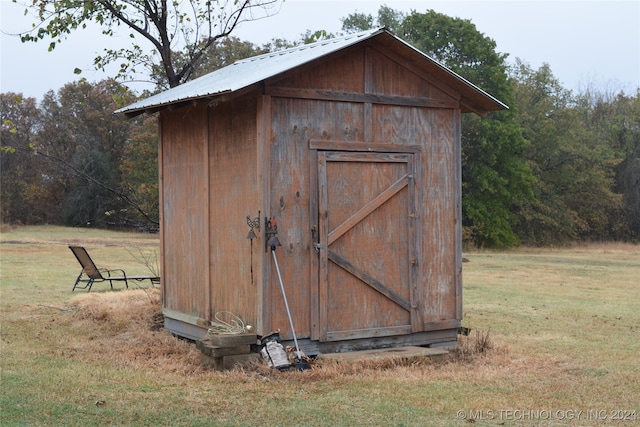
(555, 340)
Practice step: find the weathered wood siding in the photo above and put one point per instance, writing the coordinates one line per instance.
(289, 204)
(441, 219)
(366, 213)
(331, 102)
(359, 128)
(185, 207)
(234, 193)
(437, 130)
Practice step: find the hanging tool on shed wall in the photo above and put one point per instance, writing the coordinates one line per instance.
(253, 223)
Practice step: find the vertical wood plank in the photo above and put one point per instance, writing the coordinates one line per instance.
(323, 231)
(441, 195)
(457, 123)
(263, 166)
(415, 241)
(163, 293)
(368, 121)
(368, 88)
(207, 226)
(314, 300)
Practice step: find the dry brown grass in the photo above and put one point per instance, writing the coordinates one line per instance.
(127, 328)
(480, 343)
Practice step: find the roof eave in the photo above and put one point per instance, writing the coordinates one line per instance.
(476, 100)
(174, 105)
(468, 105)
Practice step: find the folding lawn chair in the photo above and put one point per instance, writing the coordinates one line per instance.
(91, 274)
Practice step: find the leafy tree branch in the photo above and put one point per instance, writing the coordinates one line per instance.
(179, 32)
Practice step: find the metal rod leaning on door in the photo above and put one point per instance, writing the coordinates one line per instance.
(299, 364)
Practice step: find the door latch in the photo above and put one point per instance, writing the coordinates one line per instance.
(318, 246)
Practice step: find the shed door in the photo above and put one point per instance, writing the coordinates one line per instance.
(367, 245)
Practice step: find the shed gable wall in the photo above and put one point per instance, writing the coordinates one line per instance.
(307, 108)
(342, 72)
(367, 68)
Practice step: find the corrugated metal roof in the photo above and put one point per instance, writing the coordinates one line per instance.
(246, 72)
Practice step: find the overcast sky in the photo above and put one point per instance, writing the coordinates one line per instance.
(586, 43)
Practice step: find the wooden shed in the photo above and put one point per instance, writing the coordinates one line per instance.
(352, 145)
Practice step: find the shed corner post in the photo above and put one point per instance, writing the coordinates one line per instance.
(263, 166)
(161, 216)
(458, 213)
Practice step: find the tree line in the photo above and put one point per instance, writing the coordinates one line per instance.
(557, 167)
